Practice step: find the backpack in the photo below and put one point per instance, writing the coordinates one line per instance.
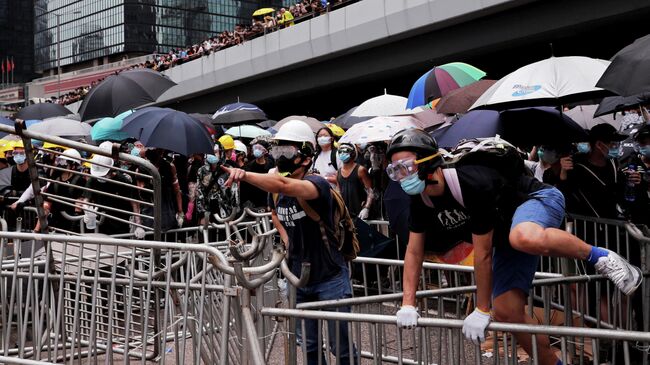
(344, 229)
(492, 152)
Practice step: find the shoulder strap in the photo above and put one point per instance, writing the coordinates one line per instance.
(333, 161)
(311, 213)
(451, 178)
(593, 174)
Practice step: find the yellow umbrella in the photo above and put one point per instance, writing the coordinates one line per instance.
(338, 131)
(263, 11)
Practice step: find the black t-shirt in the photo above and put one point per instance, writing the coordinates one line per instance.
(111, 226)
(305, 241)
(256, 196)
(20, 180)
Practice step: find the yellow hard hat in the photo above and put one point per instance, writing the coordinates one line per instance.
(227, 142)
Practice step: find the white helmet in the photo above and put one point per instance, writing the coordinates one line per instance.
(240, 147)
(106, 145)
(296, 131)
(71, 155)
(97, 170)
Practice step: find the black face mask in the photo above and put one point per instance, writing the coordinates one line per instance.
(287, 165)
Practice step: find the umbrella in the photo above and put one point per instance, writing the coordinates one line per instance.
(613, 104)
(267, 123)
(551, 82)
(440, 80)
(207, 120)
(168, 129)
(428, 118)
(263, 11)
(62, 127)
(42, 111)
(522, 127)
(108, 129)
(338, 131)
(7, 122)
(584, 116)
(378, 129)
(627, 75)
(238, 113)
(382, 105)
(346, 120)
(247, 131)
(460, 100)
(124, 91)
(313, 123)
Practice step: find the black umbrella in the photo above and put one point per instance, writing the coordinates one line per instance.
(238, 113)
(168, 129)
(124, 91)
(347, 120)
(42, 111)
(460, 100)
(627, 75)
(267, 123)
(613, 104)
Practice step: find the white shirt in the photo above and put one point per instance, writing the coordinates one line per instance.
(324, 166)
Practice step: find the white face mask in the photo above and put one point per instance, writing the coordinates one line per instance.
(324, 141)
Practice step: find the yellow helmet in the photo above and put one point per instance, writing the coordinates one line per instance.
(227, 142)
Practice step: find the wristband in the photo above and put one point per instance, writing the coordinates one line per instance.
(481, 311)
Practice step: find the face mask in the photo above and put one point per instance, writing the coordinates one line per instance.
(19, 158)
(233, 156)
(212, 159)
(412, 184)
(344, 157)
(645, 151)
(614, 153)
(550, 156)
(135, 152)
(584, 147)
(287, 165)
(258, 153)
(324, 141)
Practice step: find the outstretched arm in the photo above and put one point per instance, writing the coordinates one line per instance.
(274, 183)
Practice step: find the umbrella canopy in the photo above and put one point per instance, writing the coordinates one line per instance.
(263, 11)
(7, 122)
(313, 123)
(168, 129)
(338, 131)
(522, 127)
(627, 75)
(460, 100)
(247, 131)
(346, 120)
(613, 104)
(109, 129)
(62, 127)
(207, 120)
(551, 82)
(267, 123)
(440, 80)
(428, 118)
(378, 129)
(584, 116)
(382, 105)
(124, 91)
(42, 111)
(238, 113)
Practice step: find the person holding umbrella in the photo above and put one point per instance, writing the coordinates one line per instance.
(512, 220)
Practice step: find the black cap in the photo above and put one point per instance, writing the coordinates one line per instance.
(605, 133)
(414, 140)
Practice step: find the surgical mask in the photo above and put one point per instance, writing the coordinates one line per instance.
(344, 157)
(614, 152)
(258, 153)
(287, 166)
(19, 158)
(548, 156)
(233, 156)
(324, 141)
(412, 184)
(645, 151)
(212, 159)
(135, 152)
(584, 147)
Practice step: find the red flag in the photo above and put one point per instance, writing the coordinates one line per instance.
(8, 66)
(13, 65)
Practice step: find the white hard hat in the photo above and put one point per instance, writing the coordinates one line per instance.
(106, 145)
(97, 170)
(240, 147)
(296, 131)
(71, 155)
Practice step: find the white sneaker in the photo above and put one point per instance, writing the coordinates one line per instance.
(624, 275)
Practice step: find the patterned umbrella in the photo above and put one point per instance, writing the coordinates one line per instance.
(441, 80)
(378, 129)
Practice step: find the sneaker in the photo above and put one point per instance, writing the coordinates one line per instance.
(625, 276)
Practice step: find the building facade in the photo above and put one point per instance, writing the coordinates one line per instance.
(101, 31)
(16, 41)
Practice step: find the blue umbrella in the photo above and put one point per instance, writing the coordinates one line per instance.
(168, 129)
(108, 129)
(475, 124)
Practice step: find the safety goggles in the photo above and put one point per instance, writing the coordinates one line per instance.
(400, 169)
(284, 151)
(346, 149)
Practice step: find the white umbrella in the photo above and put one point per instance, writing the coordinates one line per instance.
(378, 129)
(247, 131)
(61, 127)
(553, 81)
(584, 116)
(381, 106)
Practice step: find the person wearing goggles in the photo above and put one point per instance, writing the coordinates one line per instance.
(637, 170)
(261, 163)
(291, 189)
(510, 222)
(354, 182)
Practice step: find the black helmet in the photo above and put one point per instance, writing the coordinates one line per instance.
(414, 140)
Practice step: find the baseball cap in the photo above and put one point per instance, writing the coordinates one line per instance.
(606, 133)
(97, 170)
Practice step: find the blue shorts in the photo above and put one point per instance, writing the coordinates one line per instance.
(514, 269)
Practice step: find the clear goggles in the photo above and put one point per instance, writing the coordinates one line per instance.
(284, 151)
(400, 169)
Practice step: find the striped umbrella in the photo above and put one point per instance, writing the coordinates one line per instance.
(440, 80)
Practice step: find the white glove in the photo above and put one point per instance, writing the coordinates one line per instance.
(363, 214)
(90, 217)
(407, 317)
(139, 233)
(474, 326)
(179, 219)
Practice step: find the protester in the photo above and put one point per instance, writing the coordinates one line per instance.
(207, 188)
(512, 221)
(325, 161)
(638, 172)
(261, 164)
(293, 187)
(354, 183)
